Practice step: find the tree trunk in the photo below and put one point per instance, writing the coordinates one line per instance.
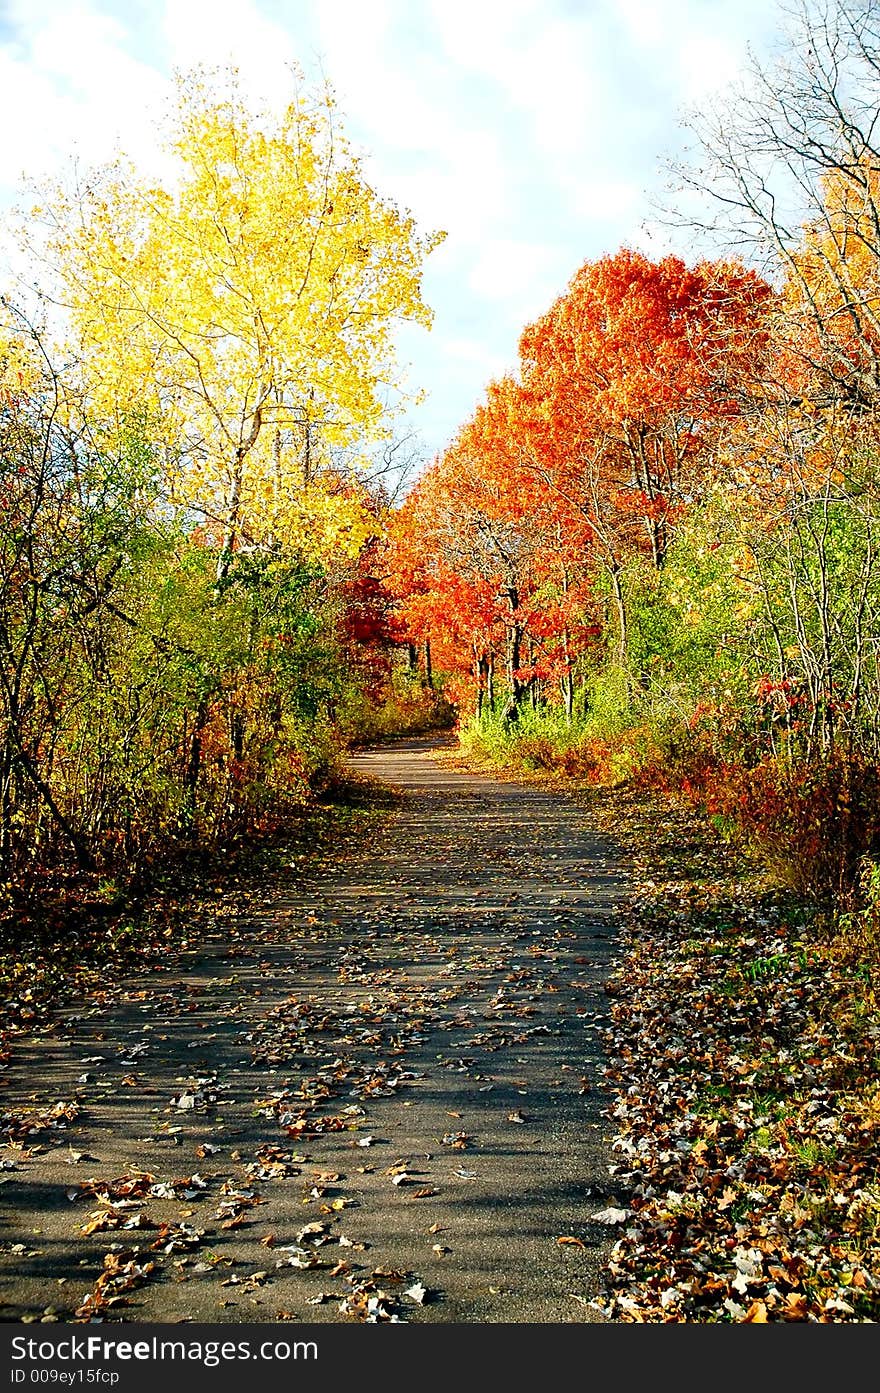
(193, 767)
(566, 682)
(84, 858)
(620, 607)
(516, 688)
(236, 734)
(6, 807)
(307, 441)
(307, 453)
(224, 560)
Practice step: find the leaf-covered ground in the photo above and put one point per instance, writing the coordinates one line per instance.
(746, 1093)
(406, 1080)
(66, 936)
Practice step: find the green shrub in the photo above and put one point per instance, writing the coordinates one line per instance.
(405, 707)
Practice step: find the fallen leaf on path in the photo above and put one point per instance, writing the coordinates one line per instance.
(610, 1215)
(459, 1141)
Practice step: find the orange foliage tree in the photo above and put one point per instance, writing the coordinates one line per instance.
(484, 565)
(630, 376)
(575, 469)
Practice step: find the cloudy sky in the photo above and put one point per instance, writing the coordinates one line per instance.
(532, 131)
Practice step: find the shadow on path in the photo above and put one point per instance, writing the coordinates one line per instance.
(429, 1007)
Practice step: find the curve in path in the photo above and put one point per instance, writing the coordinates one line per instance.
(378, 1097)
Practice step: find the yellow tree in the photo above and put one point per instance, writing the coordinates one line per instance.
(830, 305)
(246, 309)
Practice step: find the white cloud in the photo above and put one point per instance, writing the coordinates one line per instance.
(404, 103)
(69, 87)
(528, 129)
(647, 23)
(697, 48)
(220, 33)
(466, 194)
(506, 270)
(474, 353)
(546, 63)
(389, 99)
(606, 200)
(707, 62)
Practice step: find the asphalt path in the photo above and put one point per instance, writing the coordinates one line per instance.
(375, 1095)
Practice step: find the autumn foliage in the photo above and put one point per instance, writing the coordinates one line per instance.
(650, 551)
(188, 604)
(510, 546)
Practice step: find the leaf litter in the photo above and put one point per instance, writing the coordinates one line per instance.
(746, 1103)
